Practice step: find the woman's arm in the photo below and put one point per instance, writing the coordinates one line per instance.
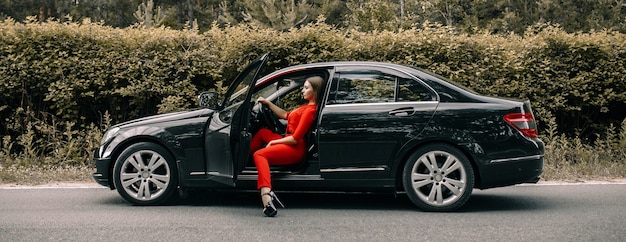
(288, 140)
(277, 110)
(304, 125)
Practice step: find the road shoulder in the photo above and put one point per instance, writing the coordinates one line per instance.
(95, 185)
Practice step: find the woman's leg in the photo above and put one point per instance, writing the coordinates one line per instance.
(265, 199)
(261, 138)
(279, 154)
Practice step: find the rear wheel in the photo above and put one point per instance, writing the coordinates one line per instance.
(438, 178)
(145, 174)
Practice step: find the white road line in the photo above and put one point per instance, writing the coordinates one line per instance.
(577, 183)
(51, 186)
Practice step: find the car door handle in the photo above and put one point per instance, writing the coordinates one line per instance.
(402, 112)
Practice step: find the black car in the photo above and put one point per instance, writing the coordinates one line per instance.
(380, 127)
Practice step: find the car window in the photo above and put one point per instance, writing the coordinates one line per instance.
(363, 88)
(286, 91)
(292, 99)
(287, 95)
(376, 87)
(410, 90)
(238, 90)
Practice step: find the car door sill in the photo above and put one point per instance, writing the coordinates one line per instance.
(282, 177)
(353, 169)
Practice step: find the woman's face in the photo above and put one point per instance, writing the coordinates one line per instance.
(307, 91)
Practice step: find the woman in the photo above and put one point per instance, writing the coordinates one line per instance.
(269, 148)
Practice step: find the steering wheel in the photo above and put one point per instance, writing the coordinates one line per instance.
(269, 118)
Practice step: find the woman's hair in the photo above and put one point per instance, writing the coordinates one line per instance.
(316, 83)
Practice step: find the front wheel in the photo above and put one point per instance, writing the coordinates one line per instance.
(438, 178)
(145, 174)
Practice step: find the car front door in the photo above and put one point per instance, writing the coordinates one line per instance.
(227, 139)
(369, 114)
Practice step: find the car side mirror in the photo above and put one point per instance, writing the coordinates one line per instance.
(208, 100)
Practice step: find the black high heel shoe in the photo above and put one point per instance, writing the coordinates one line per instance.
(270, 209)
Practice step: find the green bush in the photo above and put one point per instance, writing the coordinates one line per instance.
(71, 77)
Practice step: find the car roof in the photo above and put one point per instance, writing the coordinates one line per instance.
(345, 63)
(321, 65)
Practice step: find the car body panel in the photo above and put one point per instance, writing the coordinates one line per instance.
(362, 135)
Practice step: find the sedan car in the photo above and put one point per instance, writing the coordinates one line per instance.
(379, 127)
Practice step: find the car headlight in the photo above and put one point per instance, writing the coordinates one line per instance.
(109, 134)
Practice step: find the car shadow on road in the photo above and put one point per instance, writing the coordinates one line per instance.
(503, 202)
(320, 200)
(367, 201)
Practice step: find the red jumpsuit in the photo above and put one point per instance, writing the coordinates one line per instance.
(298, 123)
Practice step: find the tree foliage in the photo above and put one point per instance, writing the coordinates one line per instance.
(493, 16)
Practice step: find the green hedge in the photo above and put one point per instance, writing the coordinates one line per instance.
(78, 72)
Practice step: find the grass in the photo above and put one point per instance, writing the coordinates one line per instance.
(37, 175)
(573, 159)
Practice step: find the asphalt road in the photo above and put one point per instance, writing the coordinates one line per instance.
(520, 213)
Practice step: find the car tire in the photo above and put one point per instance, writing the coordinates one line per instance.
(145, 174)
(438, 178)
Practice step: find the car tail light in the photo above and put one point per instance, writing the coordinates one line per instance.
(524, 122)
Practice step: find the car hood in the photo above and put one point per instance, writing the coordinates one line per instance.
(166, 117)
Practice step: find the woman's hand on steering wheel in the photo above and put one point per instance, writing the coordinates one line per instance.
(262, 100)
(268, 116)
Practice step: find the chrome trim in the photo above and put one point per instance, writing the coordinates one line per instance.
(255, 172)
(373, 104)
(353, 169)
(294, 177)
(215, 173)
(532, 157)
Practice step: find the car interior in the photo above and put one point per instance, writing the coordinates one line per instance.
(286, 93)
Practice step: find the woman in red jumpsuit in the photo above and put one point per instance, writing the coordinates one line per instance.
(269, 148)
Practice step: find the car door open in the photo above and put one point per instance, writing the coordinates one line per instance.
(227, 139)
